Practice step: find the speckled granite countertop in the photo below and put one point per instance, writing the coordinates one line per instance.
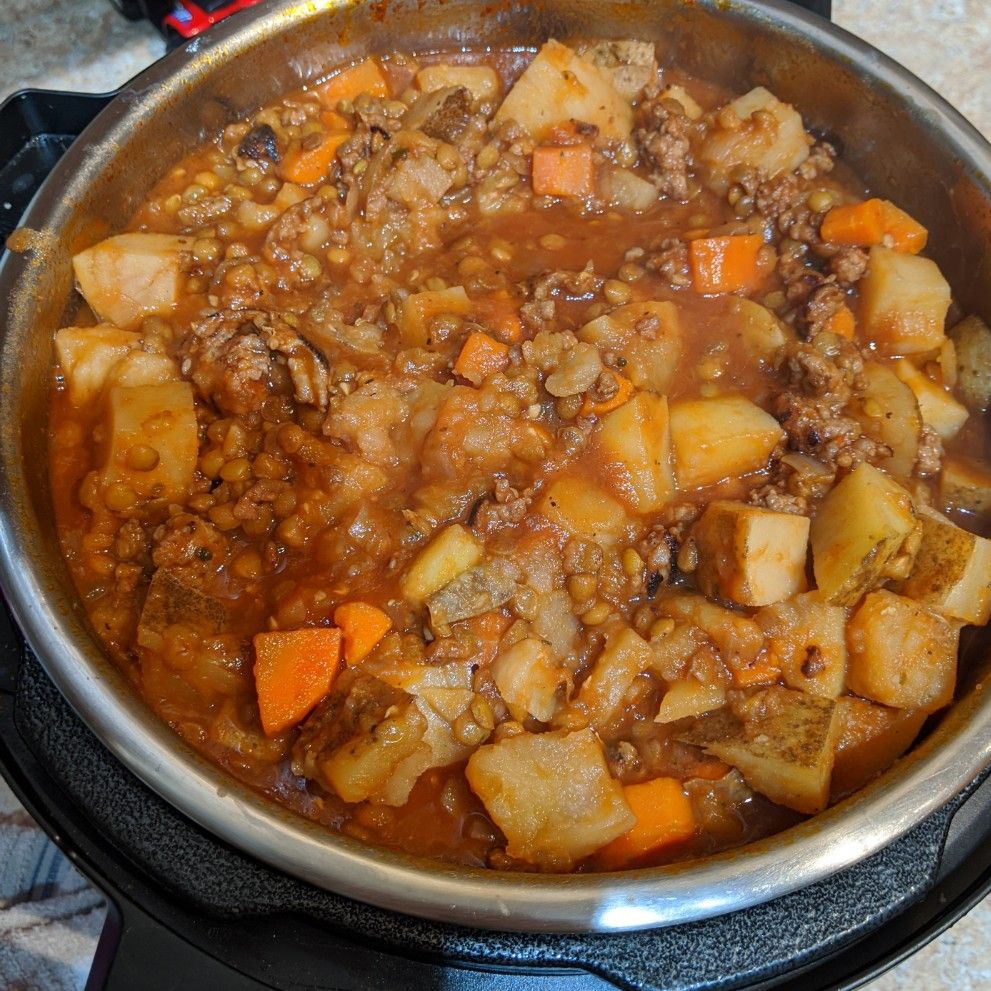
(49, 917)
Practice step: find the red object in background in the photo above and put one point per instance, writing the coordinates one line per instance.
(188, 19)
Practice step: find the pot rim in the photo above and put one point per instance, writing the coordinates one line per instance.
(933, 773)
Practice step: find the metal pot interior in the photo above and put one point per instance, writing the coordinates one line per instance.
(903, 140)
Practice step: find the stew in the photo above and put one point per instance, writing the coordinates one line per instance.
(543, 461)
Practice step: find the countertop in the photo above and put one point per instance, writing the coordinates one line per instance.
(50, 918)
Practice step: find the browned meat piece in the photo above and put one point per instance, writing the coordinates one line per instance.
(778, 499)
(821, 160)
(376, 121)
(822, 304)
(204, 211)
(848, 264)
(507, 507)
(448, 117)
(662, 135)
(670, 259)
(237, 358)
(260, 144)
(929, 460)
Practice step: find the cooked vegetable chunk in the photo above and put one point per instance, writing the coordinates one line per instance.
(475, 591)
(159, 422)
(362, 626)
(873, 737)
(782, 742)
(965, 484)
(635, 441)
(890, 415)
(904, 299)
(763, 333)
(563, 170)
(480, 80)
(664, 818)
(750, 555)
(628, 64)
(551, 795)
(88, 355)
(624, 656)
(952, 571)
(902, 654)
(420, 308)
(874, 222)
(937, 406)
(131, 276)
(530, 680)
(294, 669)
(453, 551)
(582, 508)
(687, 697)
(170, 600)
(772, 141)
(972, 338)
(806, 637)
(720, 438)
(860, 526)
(558, 87)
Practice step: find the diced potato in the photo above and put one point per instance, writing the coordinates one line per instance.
(966, 485)
(629, 65)
(890, 414)
(722, 437)
(481, 81)
(688, 697)
(582, 508)
(142, 368)
(626, 190)
(902, 654)
(972, 338)
(952, 571)
(903, 302)
(763, 333)
(635, 444)
(87, 355)
(530, 680)
(783, 748)
(558, 87)
(806, 639)
(160, 417)
(624, 656)
(419, 309)
(131, 276)
(774, 142)
(873, 737)
(739, 639)
(750, 555)
(859, 527)
(170, 601)
(938, 408)
(551, 795)
(647, 335)
(452, 551)
(678, 93)
(473, 592)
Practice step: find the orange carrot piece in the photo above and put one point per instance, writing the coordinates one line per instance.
(294, 669)
(710, 770)
(334, 121)
(563, 170)
(499, 313)
(906, 233)
(365, 77)
(764, 671)
(664, 818)
(309, 165)
(842, 323)
(623, 393)
(724, 264)
(481, 356)
(854, 223)
(362, 626)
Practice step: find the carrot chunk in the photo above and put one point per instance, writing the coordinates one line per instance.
(362, 626)
(873, 222)
(664, 818)
(365, 77)
(724, 264)
(481, 356)
(623, 393)
(842, 323)
(294, 669)
(500, 314)
(764, 671)
(563, 170)
(309, 165)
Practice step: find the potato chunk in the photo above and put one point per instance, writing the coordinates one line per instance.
(718, 438)
(635, 443)
(87, 355)
(773, 142)
(763, 334)
(780, 740)
(750, 555)
(481, 81)
(452, 551)
(806, 639)
(582, 508)
(966, 485)
(873, 737)
(624, 656)
(902, 654)
(530, 680)
(890, 414)
(419, 309)
(859, 527)
(646, 335)
(559, 86)
(551, 794)
(904, 299)
(131, 276)
(161, 418)
(952, 571)
(972, 338)
(629, 65)
(688, 697)
(938, 408)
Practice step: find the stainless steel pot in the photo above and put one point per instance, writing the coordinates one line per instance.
(904, 140)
